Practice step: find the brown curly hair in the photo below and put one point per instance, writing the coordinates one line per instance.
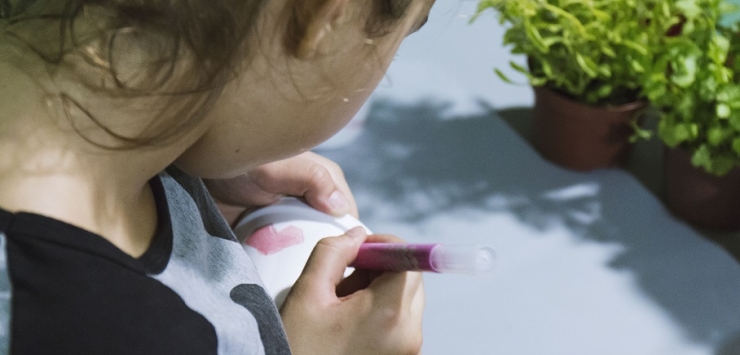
(192, 49)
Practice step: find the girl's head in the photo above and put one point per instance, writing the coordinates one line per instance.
(232, 83)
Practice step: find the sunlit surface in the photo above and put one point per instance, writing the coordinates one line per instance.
(588, 263)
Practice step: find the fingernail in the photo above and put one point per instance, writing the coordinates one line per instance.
(338, 203)
(357, 233)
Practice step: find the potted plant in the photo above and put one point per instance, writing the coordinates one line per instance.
(585, 61)
(695, 85)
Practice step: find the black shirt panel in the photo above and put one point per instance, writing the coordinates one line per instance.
(73, 292)
(155, 259)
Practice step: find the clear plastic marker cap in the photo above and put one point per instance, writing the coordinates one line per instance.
(464, 259)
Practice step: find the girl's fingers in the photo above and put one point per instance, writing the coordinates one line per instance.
(397, 288)
(328, 261)
(317, 179)
(358, 280)
(338, 177)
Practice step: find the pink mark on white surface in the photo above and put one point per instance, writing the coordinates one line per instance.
(267, 240)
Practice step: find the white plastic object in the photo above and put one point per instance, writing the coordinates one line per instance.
(280, 237)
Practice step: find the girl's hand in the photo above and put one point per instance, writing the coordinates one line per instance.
(318, 180)
(366, 313)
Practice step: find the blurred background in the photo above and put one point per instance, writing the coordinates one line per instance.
(589, 262)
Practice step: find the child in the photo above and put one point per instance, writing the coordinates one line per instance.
(111, 114)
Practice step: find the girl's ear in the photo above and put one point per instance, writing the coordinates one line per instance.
(318, 24)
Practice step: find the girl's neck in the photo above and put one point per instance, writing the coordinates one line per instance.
(104, 195)
(47, 169)
(124, 215)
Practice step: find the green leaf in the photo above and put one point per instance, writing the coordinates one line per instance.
(537, 81)
(723, 111)
(722, 165)
(519, 68)
(702, 159)
(608, 51)
(715, 136)
(666, 9)
(637, 67)
(689, 8)
(547, 69)
(549, 42)
(605, 71)
(684, 72)
(604, 91)
(673, 135)
(718, 48)
(716, 165)
(503, 76)
(637, 47)
(640, 133)
(587, 65)
(534, 36)
(736, 145)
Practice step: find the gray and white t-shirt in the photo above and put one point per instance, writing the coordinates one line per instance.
(64, 290)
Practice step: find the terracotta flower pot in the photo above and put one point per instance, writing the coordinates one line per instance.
(702, 199)
(579, 136)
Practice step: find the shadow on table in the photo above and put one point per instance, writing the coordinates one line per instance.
(423, 162)
(731, 347)
(645, 163)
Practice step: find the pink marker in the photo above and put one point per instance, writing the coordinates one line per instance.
(440, 258)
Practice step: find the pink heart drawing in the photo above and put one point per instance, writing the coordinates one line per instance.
(267, 240)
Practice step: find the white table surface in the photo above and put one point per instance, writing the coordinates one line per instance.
(589, 263)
